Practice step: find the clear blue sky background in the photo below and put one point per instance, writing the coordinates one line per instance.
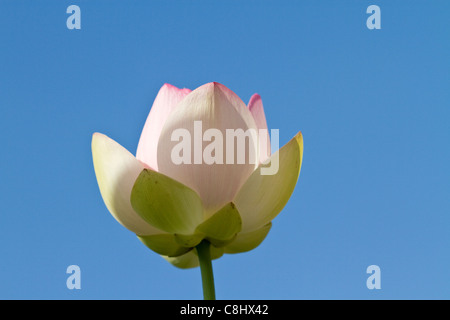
(373, 106)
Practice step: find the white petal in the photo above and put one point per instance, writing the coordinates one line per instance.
(117, 170)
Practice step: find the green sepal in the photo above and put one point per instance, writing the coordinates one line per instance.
(222, 225)
(221, 243)
(164, 244)
(190, 259)
(189, 240)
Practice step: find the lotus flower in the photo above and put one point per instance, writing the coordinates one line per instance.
(172, 207)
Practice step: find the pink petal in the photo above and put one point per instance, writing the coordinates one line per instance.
(218, 108)
(165, 102)
(257, 110)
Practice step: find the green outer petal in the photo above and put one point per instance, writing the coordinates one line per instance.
(164, 244)
(223, 225)
(262, 197)
(249, 240)
(190, 259)
(166, 204)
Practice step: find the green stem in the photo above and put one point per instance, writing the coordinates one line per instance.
(204, 256)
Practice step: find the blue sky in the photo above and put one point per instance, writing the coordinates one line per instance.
(373, 106)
